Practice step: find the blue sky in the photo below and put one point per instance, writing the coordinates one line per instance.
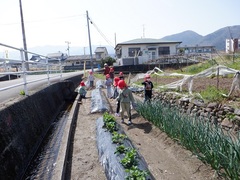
(53, 22)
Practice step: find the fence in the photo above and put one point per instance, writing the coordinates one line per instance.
(21, 68)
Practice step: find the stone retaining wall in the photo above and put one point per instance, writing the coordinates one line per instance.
(224, 115)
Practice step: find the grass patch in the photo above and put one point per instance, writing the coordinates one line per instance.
(212, 94)
(99, 76)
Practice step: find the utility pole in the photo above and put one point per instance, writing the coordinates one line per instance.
(68, 48)
(143, 31)
(89, 38)
(23, 34)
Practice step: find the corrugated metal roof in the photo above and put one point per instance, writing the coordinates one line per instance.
(147, 41)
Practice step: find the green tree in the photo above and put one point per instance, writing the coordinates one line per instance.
(108, 60)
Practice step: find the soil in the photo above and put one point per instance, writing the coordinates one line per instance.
(166, 159)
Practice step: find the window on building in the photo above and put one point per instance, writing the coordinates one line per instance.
(98, 56)
(119, 53)
(152, 49)
(133, 51)
(77, 62)
(163, 50)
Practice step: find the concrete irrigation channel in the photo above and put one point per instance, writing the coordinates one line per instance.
(26, 124)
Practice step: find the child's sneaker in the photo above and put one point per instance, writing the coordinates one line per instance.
(122, 120)
(129, 122)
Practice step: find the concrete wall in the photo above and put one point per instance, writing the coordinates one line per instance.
(24, 124)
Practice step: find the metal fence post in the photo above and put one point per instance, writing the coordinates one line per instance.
(24, 72)
(48, 72)
(60, 66)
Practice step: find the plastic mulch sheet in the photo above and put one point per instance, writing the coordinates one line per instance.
(98, 101)
(110, 161)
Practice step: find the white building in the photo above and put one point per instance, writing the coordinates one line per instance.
(197, 49)
(78, 61)
(232, 45)
(139, 51)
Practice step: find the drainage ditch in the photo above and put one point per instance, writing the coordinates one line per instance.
(44, 161)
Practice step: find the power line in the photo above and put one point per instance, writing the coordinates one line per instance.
(43, 20)
(101, 33)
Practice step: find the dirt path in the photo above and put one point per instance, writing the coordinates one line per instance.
(166, 159)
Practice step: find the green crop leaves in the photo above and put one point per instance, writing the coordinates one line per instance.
(209, 142)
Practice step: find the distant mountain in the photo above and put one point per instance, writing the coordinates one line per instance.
(187, 37)
(217, 38)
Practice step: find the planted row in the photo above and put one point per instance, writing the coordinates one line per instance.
(209, 142)
(130, 156)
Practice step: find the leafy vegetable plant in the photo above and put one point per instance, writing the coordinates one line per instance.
(136, 173)
(121, 149)
(130, 159)
(118, 138)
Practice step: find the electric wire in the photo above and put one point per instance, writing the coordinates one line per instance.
(101, 33)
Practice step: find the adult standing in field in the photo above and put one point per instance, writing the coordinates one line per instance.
(148, 86)
(106, 69)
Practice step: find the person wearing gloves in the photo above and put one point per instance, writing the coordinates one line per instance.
(125, 98)
(148, 86)
(82, 91)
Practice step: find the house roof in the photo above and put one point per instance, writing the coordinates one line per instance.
(147, 41)
(80, 57)
(100, 49)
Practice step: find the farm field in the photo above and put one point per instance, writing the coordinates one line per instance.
(165, 158)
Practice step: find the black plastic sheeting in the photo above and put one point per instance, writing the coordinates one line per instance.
(110, 161)
(99, 102)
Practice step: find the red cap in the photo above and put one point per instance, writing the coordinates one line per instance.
(121, 73)
(90, 72)
(107, 76)
(82, 83)
(147, 76)
(116, 80)
(121, 84)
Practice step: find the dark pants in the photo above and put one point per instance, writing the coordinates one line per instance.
(118, 107)
(147, 96)
(82, 97)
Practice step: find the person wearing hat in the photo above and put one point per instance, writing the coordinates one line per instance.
(121, 76)
(82, 91)
(148, 86)
(115, 94)
(125, 97)
(91, 79)
(108, 83)
(106, 69)
(111, 73)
